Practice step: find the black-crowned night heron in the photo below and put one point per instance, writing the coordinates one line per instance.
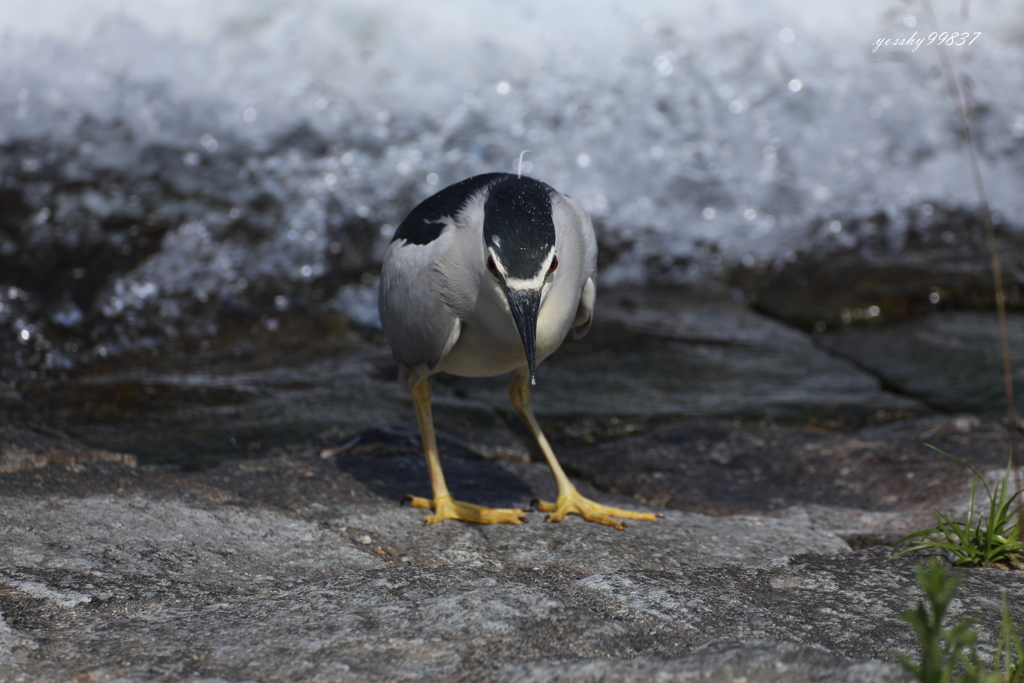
(487, 277)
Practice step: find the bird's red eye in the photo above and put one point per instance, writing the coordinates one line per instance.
(554, 264)
(492, 266)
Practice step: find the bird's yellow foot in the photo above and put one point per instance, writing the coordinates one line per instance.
(573, 501)
(446, 507)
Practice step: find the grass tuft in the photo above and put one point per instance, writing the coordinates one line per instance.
(982, 540)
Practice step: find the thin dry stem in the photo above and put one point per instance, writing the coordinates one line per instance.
(986, 219)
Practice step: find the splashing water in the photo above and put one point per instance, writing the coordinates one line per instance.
(166, 162)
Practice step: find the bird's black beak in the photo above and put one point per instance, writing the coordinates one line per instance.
(525, 306)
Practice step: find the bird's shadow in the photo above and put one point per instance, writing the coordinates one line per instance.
(396, 467)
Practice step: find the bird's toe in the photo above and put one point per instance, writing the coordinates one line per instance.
(445, 507)
(573, 502)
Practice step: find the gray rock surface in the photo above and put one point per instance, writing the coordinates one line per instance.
(296, 568)
(761, 661)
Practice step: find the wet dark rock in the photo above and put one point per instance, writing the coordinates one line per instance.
(720, 467)
(942, 262)
(951, 360)
(651, 357)
(27, 442)
(870, 487)
(23, 448)
(462, 431)
(179, 409)
(697, 352)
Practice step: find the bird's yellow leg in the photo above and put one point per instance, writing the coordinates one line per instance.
(443, 505)
(569, 499)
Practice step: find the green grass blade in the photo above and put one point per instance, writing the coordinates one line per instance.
(976, 473)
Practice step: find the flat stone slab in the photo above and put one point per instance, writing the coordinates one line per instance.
(951, 360)
(696, 353)
(302, 568)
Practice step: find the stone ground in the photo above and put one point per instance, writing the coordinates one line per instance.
(297, 567)
(782, 468)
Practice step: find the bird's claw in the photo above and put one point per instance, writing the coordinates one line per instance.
(572, 501)
(445, 507)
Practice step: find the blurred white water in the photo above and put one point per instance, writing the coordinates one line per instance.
(699, 135)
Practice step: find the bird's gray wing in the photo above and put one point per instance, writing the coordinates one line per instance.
(418, 324)
(416, 319)
(585, 310)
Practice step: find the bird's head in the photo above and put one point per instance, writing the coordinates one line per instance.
(519, 248)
